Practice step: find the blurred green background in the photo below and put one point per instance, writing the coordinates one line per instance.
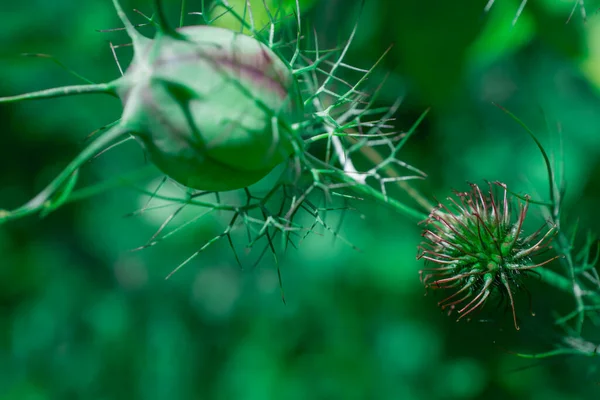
(82, 317)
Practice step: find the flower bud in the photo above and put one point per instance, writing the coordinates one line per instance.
(480, 247)
(213, 108)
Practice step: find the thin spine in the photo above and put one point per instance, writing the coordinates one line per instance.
(137, 39)
(60, 64)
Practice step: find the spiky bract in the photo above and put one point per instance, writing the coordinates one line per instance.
(481, 249)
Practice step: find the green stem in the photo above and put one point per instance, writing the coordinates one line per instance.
(394, 204)
(113, 183)
(106, 88)
(43, 201)
(142, 173)
(163, 24)
(376, 159)
(558, 352)
(574, 289)
(363, 188)
(556, 280)
(182, 14)
(563, 283)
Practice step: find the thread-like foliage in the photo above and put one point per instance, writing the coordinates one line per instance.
(577, 5)
(578, 274)
(340, 120)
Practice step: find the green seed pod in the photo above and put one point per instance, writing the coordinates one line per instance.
(213, 108)
(480, 248)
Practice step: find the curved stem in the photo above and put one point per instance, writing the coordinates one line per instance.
(43, 201)
(106, 88)
(147, 171)
(557, 352)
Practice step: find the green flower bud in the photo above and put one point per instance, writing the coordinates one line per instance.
(213, 108)
(480, 248)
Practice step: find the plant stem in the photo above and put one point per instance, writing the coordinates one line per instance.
(43, 201)
(395, 204)
(562, 283)
(106, 88)
(363, 188)
(115, 182)
(376, 159)
(161, 19)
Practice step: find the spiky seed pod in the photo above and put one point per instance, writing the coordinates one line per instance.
(480, 247)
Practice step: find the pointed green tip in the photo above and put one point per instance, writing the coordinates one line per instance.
(162, 23)
(135, 36)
